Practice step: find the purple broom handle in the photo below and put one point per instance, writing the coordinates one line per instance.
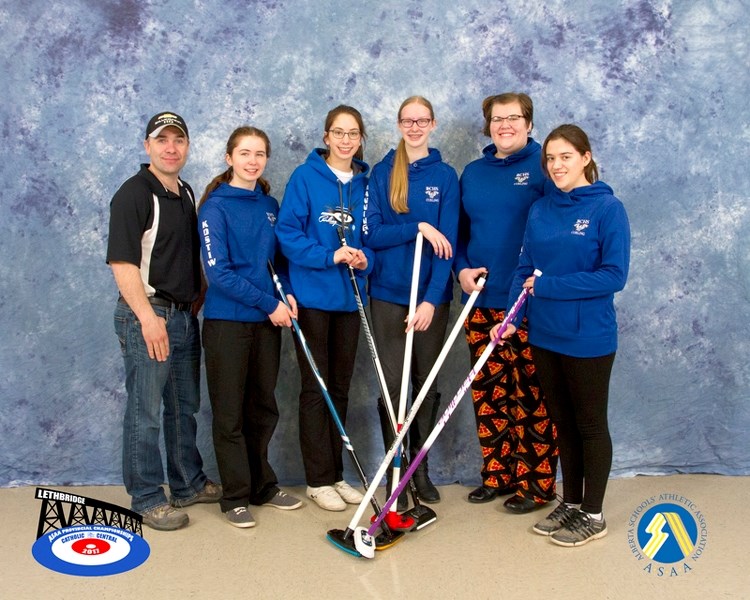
(510, 315)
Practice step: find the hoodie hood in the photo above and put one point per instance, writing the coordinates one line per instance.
(489, 153)
(581, 195)
(236, 193)
(316, 159)
(419, 167)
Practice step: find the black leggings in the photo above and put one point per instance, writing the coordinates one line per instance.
(577, 392)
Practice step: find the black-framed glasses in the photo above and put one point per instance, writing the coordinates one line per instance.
(509, 118)
(423, 122)
(339, 134)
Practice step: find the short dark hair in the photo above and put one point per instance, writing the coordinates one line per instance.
(527, 107)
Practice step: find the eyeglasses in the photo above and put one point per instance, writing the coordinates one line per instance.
(339, 134)
(509, 118)
(423, 122)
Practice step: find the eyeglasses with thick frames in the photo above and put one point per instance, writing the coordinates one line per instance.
(423, 122)
(509, 118)
(339, 134)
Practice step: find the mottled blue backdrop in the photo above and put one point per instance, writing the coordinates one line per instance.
(660, 86)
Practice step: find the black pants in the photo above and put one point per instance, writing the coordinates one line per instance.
(577, 392)
(242, 363)
(388, 327)
(332, 338)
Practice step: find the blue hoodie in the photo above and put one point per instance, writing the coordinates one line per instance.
(236, 228)
(496, 195)
(581, 242)
(308, 218)
(433, 198)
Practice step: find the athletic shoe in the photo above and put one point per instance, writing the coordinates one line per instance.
(348, 493)
(240, 517)
(326, 497)
(283, 501)
(164, 518)
(579, 530)
(556, 520)
(210, 493)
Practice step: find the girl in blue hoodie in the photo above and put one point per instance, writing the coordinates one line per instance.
(412, 190)
(578, 236)
(324, 194)
(241, 334)
(516, 436)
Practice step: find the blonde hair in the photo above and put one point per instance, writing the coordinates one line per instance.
(399, 186)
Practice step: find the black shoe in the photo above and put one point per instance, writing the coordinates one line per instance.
(520, 505)
(484, 493)
(426, 491)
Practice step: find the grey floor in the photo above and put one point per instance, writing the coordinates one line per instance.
(472, 551)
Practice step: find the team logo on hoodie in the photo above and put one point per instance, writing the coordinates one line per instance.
(522, 179)
(580, 226)
(336, 217)
(432, 193)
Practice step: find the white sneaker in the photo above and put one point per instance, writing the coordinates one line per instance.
(348, 493)
(326, 497)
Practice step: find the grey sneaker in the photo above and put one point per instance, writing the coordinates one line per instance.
(210, 493)
(240, 517)
(579, 530)
(283, 501)
(556, 520)
(165, 518)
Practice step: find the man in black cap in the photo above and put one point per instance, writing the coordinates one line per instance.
(154, 252)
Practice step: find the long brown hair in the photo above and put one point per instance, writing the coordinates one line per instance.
(399, 186)
(232, 142)
(343, 109)
(577, 138)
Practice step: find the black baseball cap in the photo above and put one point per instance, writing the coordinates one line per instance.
(165, 119)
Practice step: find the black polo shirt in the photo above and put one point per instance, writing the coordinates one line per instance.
(157, 231)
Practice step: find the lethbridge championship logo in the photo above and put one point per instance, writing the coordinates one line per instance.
(668, 534)
(83, 536)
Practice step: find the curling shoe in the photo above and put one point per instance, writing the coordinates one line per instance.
(426, 491)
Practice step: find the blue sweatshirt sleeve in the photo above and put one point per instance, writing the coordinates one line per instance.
(448, 226)
(370, 262)
(291, 228)
(377, 234)
(524, 270)
(281, 266)
(609, 276)
(461, 260)
(357, 241)
(219, 270)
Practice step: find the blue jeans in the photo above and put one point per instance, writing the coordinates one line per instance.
(148, 381)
